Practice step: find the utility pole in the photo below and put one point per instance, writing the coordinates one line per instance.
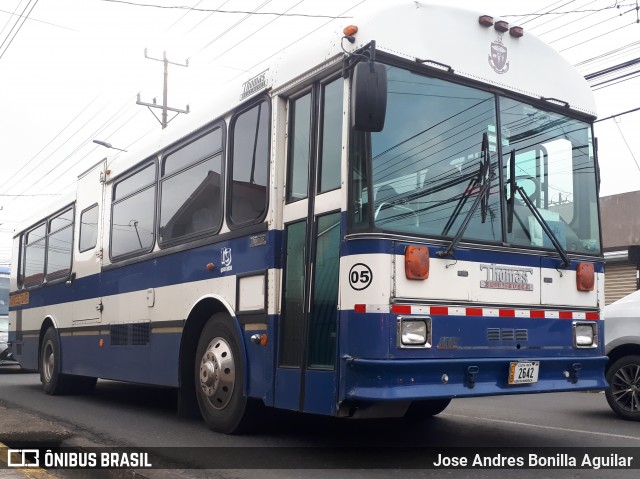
(165, 109)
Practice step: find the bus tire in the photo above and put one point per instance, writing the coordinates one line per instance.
(53, 381)
(219, 373)
(428, 408)
(623, 393)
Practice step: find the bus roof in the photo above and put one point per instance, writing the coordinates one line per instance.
(414, 31)
(408, 29)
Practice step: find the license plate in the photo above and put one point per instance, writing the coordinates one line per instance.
(524, 372)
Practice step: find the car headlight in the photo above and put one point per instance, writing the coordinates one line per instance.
(585, 335)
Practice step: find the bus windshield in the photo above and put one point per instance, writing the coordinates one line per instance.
(427, 167)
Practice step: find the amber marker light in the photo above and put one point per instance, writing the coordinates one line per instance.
(485, 20)
(501, 26)
(211, 266)
(101, 342)
(350, 31)
(516, 32)
(264, 339)
(585, 277)
(416, 262)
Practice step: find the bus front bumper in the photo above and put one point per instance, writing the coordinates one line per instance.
(415, 379)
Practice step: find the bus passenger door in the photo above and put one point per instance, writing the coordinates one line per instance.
(87, 263)
(307, 368)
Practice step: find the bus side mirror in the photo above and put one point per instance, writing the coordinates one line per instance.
(369, 96)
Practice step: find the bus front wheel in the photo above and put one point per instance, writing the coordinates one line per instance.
(219, 373)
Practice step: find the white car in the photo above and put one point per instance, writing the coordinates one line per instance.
(622, 336)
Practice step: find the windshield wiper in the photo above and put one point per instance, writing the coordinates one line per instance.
(513, 186)
(485, 177)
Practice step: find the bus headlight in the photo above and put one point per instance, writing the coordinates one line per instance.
(585, 335)
(414, 332)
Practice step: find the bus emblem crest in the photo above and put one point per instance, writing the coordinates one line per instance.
(498, 56)
(225, 259)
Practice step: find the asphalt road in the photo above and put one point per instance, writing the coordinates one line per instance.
(120, 414)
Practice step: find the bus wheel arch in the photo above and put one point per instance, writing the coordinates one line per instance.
(195, 324)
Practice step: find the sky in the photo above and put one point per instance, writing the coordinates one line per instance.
(70, 72)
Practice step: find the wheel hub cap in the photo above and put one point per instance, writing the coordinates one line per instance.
(217, 373)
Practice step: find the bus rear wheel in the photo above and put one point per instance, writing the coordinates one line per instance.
(219, 373)
(53, 381)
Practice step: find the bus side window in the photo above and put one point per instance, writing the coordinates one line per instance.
(249, 175)
(191, 192)
(34, 249)
(88, 229)
(133, 213)
(59, 245)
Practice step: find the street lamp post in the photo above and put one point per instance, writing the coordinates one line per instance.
(107, 145)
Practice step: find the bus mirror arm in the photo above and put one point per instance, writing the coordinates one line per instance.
(512, 191)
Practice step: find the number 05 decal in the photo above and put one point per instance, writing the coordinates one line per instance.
(360, 276)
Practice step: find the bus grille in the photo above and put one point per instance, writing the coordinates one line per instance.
(507, 334)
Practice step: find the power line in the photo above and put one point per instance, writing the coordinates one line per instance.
(559, 13)
(255, 31)
(24, 19)
(564, 25)
(246, 17)
(183, 7)
(617, 114)
(534, 14)
(596, 37)
(612, 69)
(35, 20)
(52, 140)
(628, 147)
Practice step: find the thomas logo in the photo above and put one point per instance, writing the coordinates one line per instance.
(498, 56)
(506, 277)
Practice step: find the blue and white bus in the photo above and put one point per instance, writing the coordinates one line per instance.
(386, 218)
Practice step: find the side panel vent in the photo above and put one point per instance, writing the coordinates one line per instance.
(133, 334)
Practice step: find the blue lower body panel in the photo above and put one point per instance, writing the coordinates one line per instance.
(415, 379)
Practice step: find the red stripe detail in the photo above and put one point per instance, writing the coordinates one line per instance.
(507, 313)
(400, 309)
(474, 311)
(360, 308)
(439, 310)
(592, 316)
(536, 313)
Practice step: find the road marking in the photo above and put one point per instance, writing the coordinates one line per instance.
(502, 421)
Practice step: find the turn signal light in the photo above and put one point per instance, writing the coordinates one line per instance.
(350, 31)
(585, 277)
(416, 262)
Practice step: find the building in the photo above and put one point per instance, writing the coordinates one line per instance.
(620, 217)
